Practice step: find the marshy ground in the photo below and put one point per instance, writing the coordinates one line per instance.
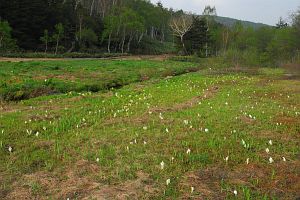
(65, 132)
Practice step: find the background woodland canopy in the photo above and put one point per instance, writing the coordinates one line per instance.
(140, 27)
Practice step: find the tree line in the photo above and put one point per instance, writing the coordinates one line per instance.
(86, 25)
(138, 26)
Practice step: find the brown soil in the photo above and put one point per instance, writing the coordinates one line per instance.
(285, 184)
(78, 182)
(133, 189)
(286, 120)
(45, 144)
(247, 120)
(141, 57)
(6, 108)
(283, 137)
(2, 59)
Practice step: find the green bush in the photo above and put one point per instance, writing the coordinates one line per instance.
(237, 58)
(7, 43)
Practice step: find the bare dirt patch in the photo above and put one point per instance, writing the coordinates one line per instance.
(293, 71)
(7, 108)
(247, 120)
(45, 144)
(209, 93)
(141, 57)
(78, 182)
(285, 183)
(2, 59)
(286, 120)
(133, 189)
(206, 184)
(283, 137)
(145, 57)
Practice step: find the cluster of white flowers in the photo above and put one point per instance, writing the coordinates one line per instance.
(245, 145)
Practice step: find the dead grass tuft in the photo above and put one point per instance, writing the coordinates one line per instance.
(78, 182)
(284, 184)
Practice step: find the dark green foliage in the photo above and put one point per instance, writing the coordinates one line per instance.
(58, 35)
(198, 37)
(122, 25)
(29, 19)
(88, 38)
(46, 39)
(153, 47)
(267, 46)
(7, 43)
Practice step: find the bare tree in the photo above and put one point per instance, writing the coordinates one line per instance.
(180, 26)
(101, 7)
(225, 38)
(209, 13)
(296, 19)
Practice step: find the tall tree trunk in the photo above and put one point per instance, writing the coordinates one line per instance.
(92, 7)
(183, 45)
(173, 40)
(206, 45)
(1, 41)
(140, 38)
(162, 36)
(123, 42)
(120, 44)
(152, 32)
(109, 40)
(72, 47)
(226, 37)
(56, 45)
(129, 42)
(116, 47)
(80, 27)
(46, 46)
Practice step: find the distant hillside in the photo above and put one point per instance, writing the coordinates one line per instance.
(230, 22)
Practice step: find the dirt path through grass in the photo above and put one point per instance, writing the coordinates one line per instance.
(129, 57)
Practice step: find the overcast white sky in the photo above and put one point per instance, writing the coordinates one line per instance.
(265, 11)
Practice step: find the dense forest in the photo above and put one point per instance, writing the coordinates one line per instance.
(140, 27)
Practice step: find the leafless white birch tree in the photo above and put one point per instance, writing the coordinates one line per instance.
(180, 26)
